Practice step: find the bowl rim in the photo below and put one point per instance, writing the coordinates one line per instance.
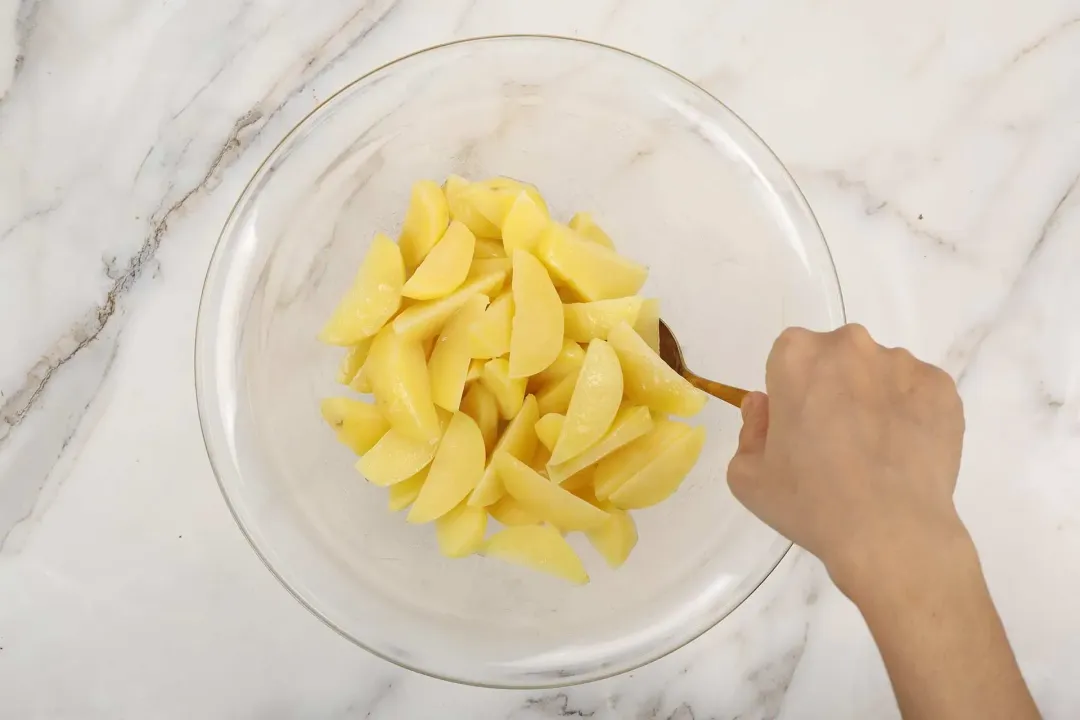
(200, 341)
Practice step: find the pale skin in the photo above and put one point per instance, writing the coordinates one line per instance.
(853, 454)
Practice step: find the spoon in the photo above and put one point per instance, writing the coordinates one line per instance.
(671, 353)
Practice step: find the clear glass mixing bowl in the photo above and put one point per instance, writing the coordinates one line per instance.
(678, 181)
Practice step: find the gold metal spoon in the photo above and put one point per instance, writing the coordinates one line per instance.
(672, 355)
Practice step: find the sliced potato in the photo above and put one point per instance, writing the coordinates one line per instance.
(399, 378)
(548, 429)
(487, 249)
(663, 475)
(460, 532)
(587, 321)
(592, 270)
(523, 224)
(615, 538)
(510, 513)
(629, 424)
(480, 405)
(555, 397)
(648, 323)
(540, 547)
(403, 493)
(473, 203)
(581, 484)
(361, 383)
(426, 318)
(353, 361)
(584, 225)
(511, 188)
(372, 300)
(569, 359)
(425, 222)
(594, 403)
(618, 467)
(395, 458)
(651, 381)
(536, 334)
(518, 440)
(358, 425)
(539, 461)
(509, 392)
(450, 359)
(455, 471)
(489, 336)
(545, 499)
(445, 267)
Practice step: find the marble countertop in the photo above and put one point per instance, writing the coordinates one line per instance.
(937, 141)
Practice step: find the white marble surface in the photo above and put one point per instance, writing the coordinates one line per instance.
(938, 142)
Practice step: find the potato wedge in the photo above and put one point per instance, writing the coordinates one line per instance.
(569, 359)
(511, 188)
(353, 361)
(460, 532)
(649, 380)
(445, 267)
(510, 513)
(359, 425)
(372, 300)
(648, 323)
(449, 363)
(545, 499)
(618, 467)
(489, 336)
(426, 318)
(584, 225)
(509, 392)
(399, 378)
(487, 249)
(592, 270)
(455, 471)
(539, 547)
(524, 223)
(615, 538)
(480, 405)
(588, 321)
(548, 429)
(361, 383)
(555, 397)
(425, 222)
(597, 395)
(663, 475)
(518, 440)
(402, 494)
(536, 334)
(629, 424)
(395, 458)
(473, 203)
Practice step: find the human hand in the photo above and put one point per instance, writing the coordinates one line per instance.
(853, 454)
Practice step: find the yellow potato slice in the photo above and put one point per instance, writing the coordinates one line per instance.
(475, 368)
(373, 299)
(425, 222)
(629, 424)
(592, 270)
(480, 405)
(509, 392)
(487, 249)
(460, 532)
(403, 493)
(353, 361)
(426, 318)
(445, 267)
(399, 378)
(358, 425)
(663, 475)
(449, 363)
(581, 484)
(555, 397)
(594, 403)
(587, 321)
(548, 429)
(569, 359)
(524, 223)
(648, 323)
(536, 335)
(509, 512)
(649, 380)
(518, 440)
(584, 225)
(361, 383)
(618, 467)
(545, 499)
(489, 337)
(470, 203)
(457, 467)
(539, 547)
(395, 458)
(511, 188)
(615, 538)
(539, 461)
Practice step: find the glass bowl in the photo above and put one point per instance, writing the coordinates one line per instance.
(680, 183)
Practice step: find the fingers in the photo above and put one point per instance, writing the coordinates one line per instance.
(744, 470)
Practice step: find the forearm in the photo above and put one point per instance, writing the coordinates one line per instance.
(941, 639)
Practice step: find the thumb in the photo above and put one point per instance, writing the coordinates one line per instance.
(745, 467)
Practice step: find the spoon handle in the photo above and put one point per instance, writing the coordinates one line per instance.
(727, 393)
